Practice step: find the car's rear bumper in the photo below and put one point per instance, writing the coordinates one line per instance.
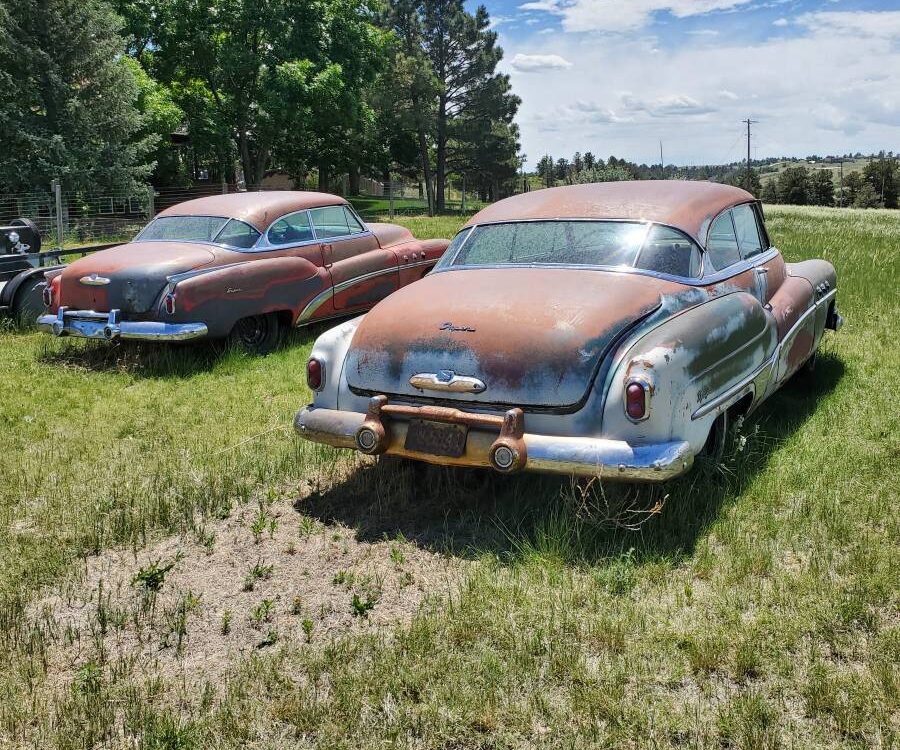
(89, 324)
(493, 441)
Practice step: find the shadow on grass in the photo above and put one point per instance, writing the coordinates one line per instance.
(474, 512)
(158, 360)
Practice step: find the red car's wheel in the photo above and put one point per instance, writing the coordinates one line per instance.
(257, 334)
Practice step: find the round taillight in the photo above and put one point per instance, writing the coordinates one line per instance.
(635, 401)
(315, 374)
(47, 295)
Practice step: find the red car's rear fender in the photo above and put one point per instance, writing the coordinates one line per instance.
(221, 296)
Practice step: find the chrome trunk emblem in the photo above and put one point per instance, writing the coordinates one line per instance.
(448, 326)
(446, 380)
(94, 280)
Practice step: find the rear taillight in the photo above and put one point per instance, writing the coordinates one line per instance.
(169, 303)
(50, 295)
(636, 400)
(315, 374)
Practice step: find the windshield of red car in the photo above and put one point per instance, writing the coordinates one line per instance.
(643, 245)
(215, 229)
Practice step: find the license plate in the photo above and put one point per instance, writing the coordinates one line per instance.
(436, 438)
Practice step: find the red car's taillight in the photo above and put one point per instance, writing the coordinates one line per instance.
(169, 303)
(50, 295)
(315, 374)
(636, 400)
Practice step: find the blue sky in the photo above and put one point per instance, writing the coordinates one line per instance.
(618, 76)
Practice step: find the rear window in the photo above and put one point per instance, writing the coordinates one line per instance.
(215, 229)
(646, 246)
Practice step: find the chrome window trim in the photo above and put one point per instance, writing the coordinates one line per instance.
(732, 270)
(447, 264)
(225, 220)
(264, 245)
(758, 234)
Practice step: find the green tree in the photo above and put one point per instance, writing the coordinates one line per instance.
(881, 174)
(286, 78)
(768, 193)
(589, 160)
(602, 174)
(793, 186)
(821, 188)
(547, 170)
(866, 197)
(69, 106)
(463, 56)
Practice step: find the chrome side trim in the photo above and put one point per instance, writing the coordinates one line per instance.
(739, 389)
(322, 297)
(447, 381)
(176, 277)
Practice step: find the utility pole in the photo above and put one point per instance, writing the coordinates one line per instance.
(841, 193)
(662, 163)
(749, 122)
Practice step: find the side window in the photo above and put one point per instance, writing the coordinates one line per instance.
(722, 246)
(668, 251)
(748, 235)
(291, 228)
(330, 221)
(237, 234)
(353, 222)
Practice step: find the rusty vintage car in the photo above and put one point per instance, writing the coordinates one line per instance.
(607, 329)
(244, 266)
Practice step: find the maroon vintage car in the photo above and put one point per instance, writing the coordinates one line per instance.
(244, 266)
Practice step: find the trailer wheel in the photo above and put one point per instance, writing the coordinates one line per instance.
(32, 230)
(28, 303)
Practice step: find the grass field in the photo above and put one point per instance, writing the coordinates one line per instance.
(850, 165)
(177, 571)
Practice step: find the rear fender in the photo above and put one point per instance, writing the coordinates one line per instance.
(694, 366)
(221, 296)
(8, 292)
(417, 257)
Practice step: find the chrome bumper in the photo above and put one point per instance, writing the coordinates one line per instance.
(89, 324)
(509, 450)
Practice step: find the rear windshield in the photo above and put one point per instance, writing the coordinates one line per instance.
(228, 232)
(651, 247)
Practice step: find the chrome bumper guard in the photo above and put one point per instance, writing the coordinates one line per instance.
(382, 429)
(89, 324)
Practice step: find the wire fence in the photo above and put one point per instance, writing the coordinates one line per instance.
(76, 221)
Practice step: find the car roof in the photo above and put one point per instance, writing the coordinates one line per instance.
(687, 205)
(257, 208)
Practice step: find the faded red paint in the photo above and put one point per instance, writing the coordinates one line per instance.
(685, 205)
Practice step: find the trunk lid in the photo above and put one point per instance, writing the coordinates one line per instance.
(129, 277)
(534, 336)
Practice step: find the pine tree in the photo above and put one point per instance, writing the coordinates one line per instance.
(69, 105)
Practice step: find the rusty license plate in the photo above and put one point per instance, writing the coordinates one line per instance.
(436, 438)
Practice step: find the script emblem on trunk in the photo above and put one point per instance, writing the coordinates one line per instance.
(94, 280)
(448, 326)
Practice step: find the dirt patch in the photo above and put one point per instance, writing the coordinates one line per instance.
(190, 606)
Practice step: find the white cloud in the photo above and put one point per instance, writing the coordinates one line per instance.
(623, 15)
(703, 32)
(780, 22)
(535, 63)
(881, 24)
(830, 88)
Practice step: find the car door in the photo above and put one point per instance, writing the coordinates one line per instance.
(362, 273)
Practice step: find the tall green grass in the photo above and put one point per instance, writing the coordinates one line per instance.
(757, 609)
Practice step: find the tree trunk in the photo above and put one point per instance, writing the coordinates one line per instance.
(354, 180)
(426, 169)
(246, 162)
(323, 177)
(441, 154)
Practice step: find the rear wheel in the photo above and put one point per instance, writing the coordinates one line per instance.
(710, 456)
(257, 334)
